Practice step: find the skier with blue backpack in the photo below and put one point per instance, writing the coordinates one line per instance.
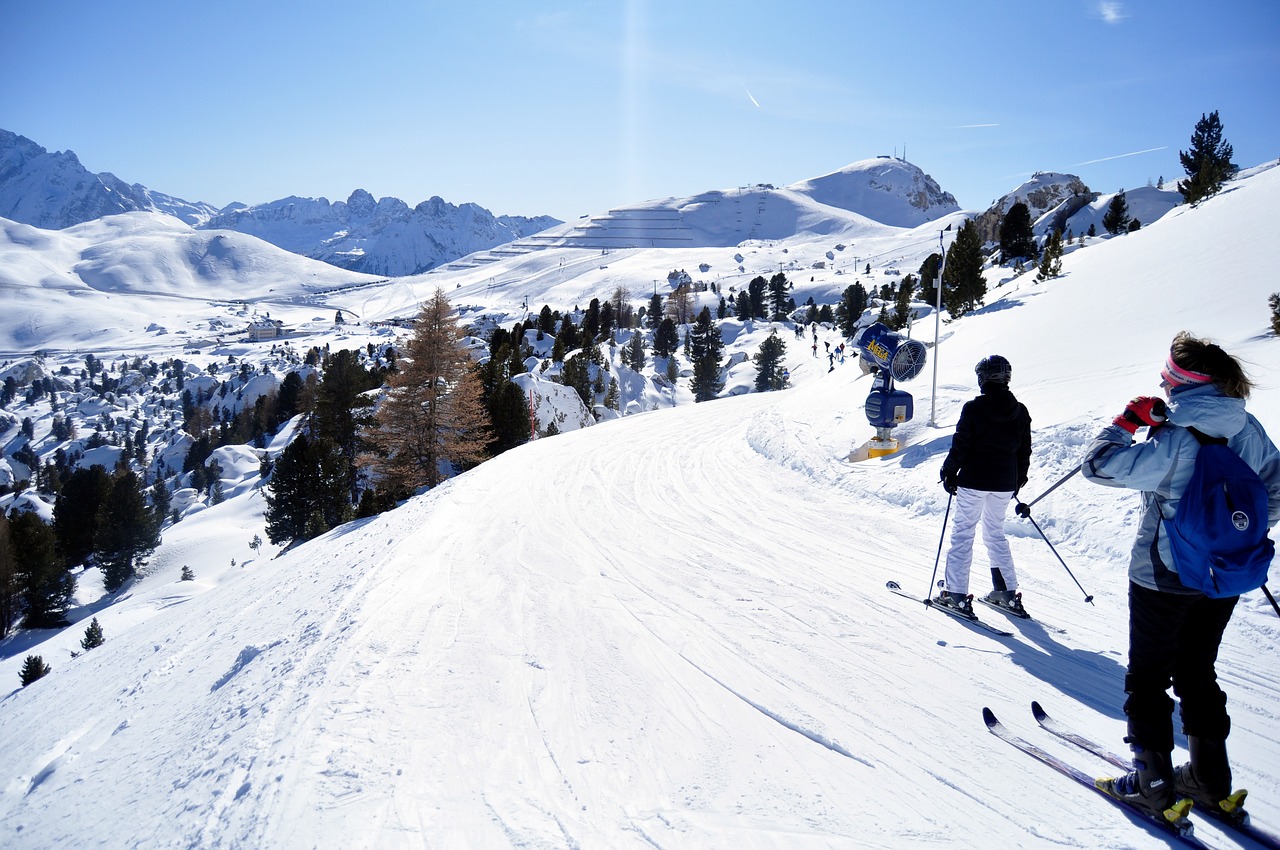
(1208, 473)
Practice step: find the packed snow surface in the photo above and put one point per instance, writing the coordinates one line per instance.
(670, 630)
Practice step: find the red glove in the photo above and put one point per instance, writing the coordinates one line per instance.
(1143, 410)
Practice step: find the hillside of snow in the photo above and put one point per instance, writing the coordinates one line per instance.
(669, 630)
(146, 281)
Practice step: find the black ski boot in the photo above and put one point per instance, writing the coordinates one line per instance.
(1149, 786)
(1206, 779)
(1010, 599)
(959, 602)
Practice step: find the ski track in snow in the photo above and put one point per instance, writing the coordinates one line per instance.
(670, 631)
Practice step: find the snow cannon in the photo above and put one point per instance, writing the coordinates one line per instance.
(890, 357)
(890, 352)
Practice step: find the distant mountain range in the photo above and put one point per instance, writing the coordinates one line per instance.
(386, 237)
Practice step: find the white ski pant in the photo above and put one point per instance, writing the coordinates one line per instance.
(970, 508)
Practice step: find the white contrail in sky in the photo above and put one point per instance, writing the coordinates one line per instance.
(972, 126)
(748, 91)
(1121, 156)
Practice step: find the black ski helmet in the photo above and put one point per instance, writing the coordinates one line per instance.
(993, 368)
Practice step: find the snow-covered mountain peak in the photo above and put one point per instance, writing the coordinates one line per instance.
(889, 190)
(53, 190)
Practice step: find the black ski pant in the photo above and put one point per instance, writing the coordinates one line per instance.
(1174, 638)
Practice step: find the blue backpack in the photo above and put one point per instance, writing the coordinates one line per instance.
(1218, 535)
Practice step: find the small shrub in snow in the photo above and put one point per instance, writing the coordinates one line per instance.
(34, 668)
(92, 636)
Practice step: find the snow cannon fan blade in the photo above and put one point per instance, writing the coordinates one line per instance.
(902, 358)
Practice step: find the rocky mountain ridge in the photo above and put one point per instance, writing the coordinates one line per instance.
(54, 191)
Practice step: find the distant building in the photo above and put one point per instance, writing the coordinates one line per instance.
(265, 329)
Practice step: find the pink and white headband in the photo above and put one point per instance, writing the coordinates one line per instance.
(1176, 376)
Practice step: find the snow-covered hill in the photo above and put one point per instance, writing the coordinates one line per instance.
(889, 190)
(669, 630)
(126, 282)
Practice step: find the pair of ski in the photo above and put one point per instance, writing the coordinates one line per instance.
(894, 587)
(1174, 821)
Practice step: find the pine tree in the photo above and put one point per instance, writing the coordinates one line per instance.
(591, 321)
(342, 407)
(127, 533)
(705, 349)
(853, 301)
(634, 352)
(654, 316)
(509, 416)
(546, 320)
(928, 288)
(433, 419)
(666, 339)
(1273, 301)
(93, 635)
(1208, 163)
(44, 583)
(1116, 219)
(778, 287)
(161, 501)
(33, 667)
(742, 306)
(1051, 259)
(577, 374)
(964, 287)
(769, 369)
(75, 516)
(607, 323)
(308, 491)
(187, 574)
(1017, 239)
(756, 292)
(902, 315)
(10, 589)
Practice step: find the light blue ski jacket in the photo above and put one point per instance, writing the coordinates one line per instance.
(1161, 465)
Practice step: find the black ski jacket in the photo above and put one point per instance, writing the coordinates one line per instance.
(992, 446)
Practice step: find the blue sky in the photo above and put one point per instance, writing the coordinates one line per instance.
(570, 108)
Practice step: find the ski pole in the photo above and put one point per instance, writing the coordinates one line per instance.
(1271, 599)
(1087, 597)
(1024, 510)
(928, 600)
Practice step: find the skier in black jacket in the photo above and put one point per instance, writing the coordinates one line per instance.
(988, 463)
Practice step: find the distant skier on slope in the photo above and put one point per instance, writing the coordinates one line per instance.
(1174, 631)
(988, 463)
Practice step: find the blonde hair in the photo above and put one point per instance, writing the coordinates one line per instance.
(1202, 355)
